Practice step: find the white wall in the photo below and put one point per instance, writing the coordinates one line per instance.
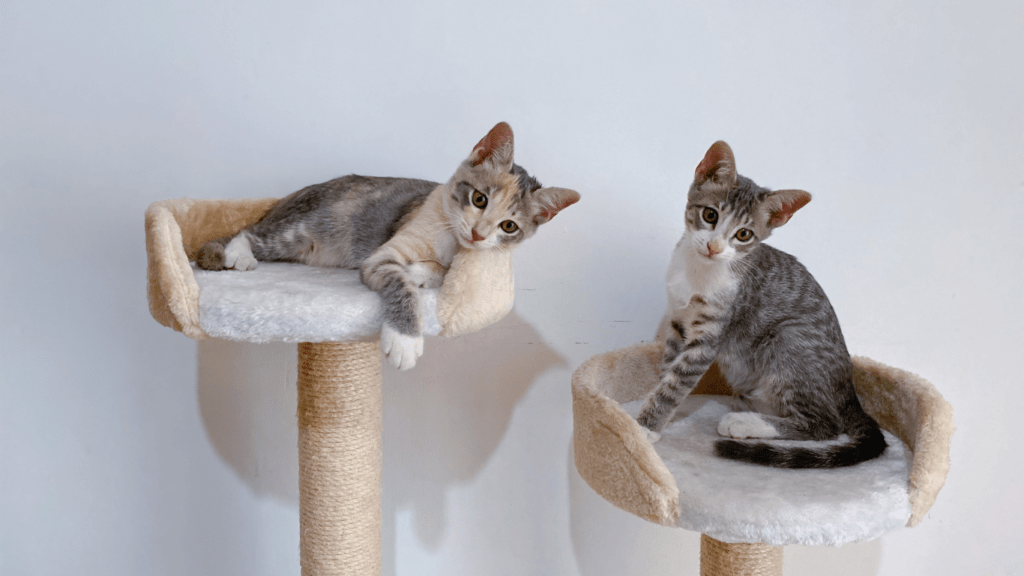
(126, 448)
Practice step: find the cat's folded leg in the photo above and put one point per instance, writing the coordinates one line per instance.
(401, 350)
(747, 425)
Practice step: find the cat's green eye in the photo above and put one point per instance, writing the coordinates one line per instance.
(509, 227)
(710, 215)
(479, 199)
(744, 235)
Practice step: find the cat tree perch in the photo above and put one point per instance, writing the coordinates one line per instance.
(746, 513)
(337, 323)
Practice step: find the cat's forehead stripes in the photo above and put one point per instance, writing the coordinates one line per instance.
(742, 201)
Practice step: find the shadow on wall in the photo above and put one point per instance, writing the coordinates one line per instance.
(608, 541)
(442, 420)
(247, 400)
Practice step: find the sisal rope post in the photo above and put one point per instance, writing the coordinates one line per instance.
(340, 418)
(721, 559)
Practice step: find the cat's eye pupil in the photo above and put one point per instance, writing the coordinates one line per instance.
(744, 234)
(710, 215)
(509, 226)
(479, 199)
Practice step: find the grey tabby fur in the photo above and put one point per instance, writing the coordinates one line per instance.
(763, 318)
(401, 233)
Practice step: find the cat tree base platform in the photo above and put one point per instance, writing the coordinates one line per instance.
(746, 513)
(337, 322)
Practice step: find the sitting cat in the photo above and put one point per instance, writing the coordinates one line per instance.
(402, 234)
(761, 316)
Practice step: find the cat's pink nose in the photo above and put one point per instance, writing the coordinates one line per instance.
(712, 251)
(476, 236)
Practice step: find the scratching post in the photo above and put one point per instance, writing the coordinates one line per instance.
(747, 513)
(337, 322)
(721, 559)
(340, 415)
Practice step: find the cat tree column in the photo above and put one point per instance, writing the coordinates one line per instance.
(336, 320)
(340, 416)
(747, 513)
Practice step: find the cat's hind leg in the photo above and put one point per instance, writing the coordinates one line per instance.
(742, 425)
(227, 253)
(211, 254)
(238, 253)
(747, 425)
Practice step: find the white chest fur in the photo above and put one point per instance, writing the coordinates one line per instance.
(690, 273)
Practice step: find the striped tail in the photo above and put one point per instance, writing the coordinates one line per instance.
(866, 442)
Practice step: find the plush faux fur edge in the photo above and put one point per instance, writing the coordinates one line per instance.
(477, 290)
(910, 407)
(614, 457)
(175, 230)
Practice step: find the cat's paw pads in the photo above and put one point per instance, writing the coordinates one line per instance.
(651, 435)
(401, 350)
(745, 425)
(238, 254)
(426, 274)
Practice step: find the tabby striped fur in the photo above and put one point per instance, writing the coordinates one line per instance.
(762, 317)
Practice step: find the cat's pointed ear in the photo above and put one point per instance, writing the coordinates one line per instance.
(718, 164)
(781, 205)
(552, 201)
(497, 147)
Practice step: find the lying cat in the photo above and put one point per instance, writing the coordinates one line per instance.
(401, 233)
(761, 316)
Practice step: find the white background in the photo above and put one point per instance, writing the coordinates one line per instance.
(126, 448)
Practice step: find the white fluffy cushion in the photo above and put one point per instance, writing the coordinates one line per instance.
(737, 502)
(279, 302)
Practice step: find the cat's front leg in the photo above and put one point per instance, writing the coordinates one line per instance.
(401, 350)
(401, 338)
(690, 349)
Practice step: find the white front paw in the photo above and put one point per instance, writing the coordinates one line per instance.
(745, 425)
(401, 350)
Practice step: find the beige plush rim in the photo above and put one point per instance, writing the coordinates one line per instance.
(614, 457)
(478, 289)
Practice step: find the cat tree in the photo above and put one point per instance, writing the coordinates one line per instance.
(336, 321)
(746, 513)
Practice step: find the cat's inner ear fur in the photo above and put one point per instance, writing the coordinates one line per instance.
(552, 201)
(781, 204)
(495, 148)
(718, 165)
